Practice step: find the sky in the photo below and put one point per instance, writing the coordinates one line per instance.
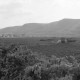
(19, 12)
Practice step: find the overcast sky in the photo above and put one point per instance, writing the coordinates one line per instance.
(18, 12)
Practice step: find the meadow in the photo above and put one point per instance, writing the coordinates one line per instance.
(31, 59)
(45, 47)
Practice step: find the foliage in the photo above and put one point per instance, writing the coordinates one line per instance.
(17, 62)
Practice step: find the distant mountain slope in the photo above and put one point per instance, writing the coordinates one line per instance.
(64, 27)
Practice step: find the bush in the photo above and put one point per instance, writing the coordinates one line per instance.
(17, 62)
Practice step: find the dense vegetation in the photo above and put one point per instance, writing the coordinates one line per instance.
(17, 62)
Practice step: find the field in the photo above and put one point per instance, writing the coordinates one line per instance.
(46, 47)
(38, 59)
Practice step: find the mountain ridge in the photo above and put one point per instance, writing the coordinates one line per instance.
(63, 28)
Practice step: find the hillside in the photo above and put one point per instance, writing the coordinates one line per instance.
(64, 27)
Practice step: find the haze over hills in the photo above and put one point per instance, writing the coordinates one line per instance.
(62, 28)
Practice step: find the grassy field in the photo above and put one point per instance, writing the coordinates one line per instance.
(47, 48)
(19, 60)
